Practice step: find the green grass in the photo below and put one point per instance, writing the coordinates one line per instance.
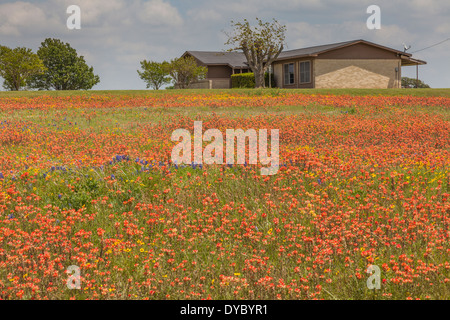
(441, 92)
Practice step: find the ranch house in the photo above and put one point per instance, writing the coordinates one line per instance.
(350, 64)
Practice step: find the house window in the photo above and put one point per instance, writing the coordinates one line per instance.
(305, 71)
(289, 73)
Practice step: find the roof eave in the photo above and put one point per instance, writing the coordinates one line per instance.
(295, 57)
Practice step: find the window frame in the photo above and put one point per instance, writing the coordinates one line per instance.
(300, 71)
(293, 73)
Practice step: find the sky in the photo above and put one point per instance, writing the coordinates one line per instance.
(116, 35)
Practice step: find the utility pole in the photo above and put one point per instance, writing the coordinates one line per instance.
(417, 75)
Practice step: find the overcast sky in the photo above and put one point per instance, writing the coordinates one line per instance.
(116, 35)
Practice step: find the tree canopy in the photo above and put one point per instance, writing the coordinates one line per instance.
(17, 66)
(261, 44)
(413, 83)
(65, 69)
(185, 70)
(155, 74)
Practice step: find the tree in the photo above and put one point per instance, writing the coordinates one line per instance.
(184, 71)
(261, 45)
(17, 66)
(413, 83)
(155, 74)
(65, 69)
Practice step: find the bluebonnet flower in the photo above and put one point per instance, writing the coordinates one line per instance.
(59, 196)
(1, 176)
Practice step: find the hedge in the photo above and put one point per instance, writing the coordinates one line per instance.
(247, 80)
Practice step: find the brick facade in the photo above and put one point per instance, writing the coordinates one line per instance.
(357, 73)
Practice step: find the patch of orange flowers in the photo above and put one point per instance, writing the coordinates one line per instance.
(363, 182)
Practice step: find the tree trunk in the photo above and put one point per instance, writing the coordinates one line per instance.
(259, 78)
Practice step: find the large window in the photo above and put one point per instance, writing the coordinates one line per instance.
(289, 73)
(305, 71)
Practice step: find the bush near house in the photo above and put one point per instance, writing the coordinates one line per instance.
(413, 83)
(247, 80)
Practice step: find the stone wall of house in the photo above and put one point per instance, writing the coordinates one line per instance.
(220, 83)
(278, 74)
(357, 73)
(209, 84)
(202, 84)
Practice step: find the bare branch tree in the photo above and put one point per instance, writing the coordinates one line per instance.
(261, 44)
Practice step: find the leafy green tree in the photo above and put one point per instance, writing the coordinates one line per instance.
(413, 83)
(155, 74)
(261, 44)
(65, 69)
(17, 66)
(185, 70)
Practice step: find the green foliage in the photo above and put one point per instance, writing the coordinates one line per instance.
(17, 66)
(247, 80)
(185, 70)
(155, 74)
(65, 69)
(413, 83)
(261, 44)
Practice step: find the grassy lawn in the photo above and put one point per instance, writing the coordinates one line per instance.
(275, 91)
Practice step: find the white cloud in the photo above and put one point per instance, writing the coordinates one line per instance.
(19, 18)
(116, 34)
(205, 15)
(159, 13)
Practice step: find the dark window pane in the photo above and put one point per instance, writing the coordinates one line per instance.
(305, 71)
(289, 73)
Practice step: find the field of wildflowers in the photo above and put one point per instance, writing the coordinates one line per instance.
(87, 181)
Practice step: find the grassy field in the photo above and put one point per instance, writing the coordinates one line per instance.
(441, 92)
(86, 180)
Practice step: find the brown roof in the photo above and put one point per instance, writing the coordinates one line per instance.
(314, 51)
(237, 59)
(233, 59)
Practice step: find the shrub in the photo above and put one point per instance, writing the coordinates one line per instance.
(413, 83)
(247, 80)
